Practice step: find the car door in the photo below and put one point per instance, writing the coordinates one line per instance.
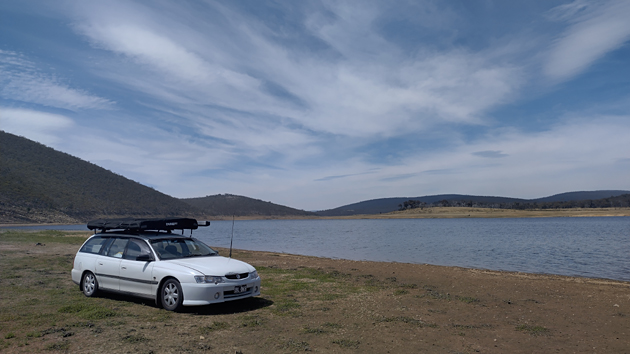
(136, 275)
(108, 266)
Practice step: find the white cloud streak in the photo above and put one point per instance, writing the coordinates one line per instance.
(215, 98)
(21, 80)
(35, 125)
(596, 29)
(372, 90)
(573, 155)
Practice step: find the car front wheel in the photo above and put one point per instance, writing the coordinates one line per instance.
(171, 295)
(89, 284)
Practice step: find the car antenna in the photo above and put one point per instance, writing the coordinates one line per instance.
(232, 238)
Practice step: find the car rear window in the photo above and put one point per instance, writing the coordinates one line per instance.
(94, 245)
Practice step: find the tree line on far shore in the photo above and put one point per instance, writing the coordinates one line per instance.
(622, 201)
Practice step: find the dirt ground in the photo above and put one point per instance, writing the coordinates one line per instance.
(466, 310)
(320, 305)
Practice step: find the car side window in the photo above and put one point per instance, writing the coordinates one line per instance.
(117, 248)
(136, 248)
(94, 245)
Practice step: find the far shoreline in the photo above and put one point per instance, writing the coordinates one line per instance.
(424, 213)
(450, 213)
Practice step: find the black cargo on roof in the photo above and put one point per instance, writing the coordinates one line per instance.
(157, 224)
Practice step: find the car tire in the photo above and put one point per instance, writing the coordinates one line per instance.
(171, 295)
(89, 284)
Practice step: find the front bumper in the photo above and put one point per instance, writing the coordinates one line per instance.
(197, 294)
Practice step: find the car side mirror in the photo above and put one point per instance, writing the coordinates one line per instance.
(144, 258)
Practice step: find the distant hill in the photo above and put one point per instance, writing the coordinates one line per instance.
(40, 184)
(386, 205)
(574, 196)
(228, 204)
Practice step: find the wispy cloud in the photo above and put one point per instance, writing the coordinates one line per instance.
(322, 103)
(22, 80)
(35, 125)
(596, 28)
(329, 178)
(493, 154)
(370, 88)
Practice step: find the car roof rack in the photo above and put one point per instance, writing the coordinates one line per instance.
(139, 225)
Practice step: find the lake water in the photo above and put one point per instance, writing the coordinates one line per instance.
(590, 247)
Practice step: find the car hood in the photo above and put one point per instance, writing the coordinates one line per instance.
(215, 265)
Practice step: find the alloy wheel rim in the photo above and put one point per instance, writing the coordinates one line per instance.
(170, 294)
(88, 285)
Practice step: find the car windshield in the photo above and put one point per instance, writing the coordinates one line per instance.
(181, 248)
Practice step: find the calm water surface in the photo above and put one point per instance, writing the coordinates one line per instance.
(589, 247)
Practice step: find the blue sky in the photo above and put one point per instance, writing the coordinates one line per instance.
(317, 104)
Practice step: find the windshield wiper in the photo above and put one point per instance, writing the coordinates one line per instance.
(195, 255)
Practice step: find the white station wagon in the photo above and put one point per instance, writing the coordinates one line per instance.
(142, 257)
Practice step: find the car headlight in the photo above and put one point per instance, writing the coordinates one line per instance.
(253, 275)
(208, 279)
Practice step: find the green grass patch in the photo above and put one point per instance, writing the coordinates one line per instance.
(277, 282)
(251, 321)
(347, 343)
(59, 346)
(215, 326)
(399, 292)
(304, 273)
(462, 326)
(45, 236)
(408, 286)
(310, 330)
(33, 334)
(161, 316)
(296, 346)
(331, 297)
(88, 311)
(408, 320)
(533, 330)
(467, 299)
(286, 307)
(435, 295)
(332, 325)
(135, 338)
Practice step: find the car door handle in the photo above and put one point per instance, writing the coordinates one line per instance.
(99, 263)
(123, 267)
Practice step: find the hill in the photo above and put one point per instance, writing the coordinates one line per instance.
(577, 196)
(228, 205)
(40, 184)
(564, 200)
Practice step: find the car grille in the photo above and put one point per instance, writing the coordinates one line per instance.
(237, 276)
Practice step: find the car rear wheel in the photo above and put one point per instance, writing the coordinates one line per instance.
(89, 284)
(171, 295)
